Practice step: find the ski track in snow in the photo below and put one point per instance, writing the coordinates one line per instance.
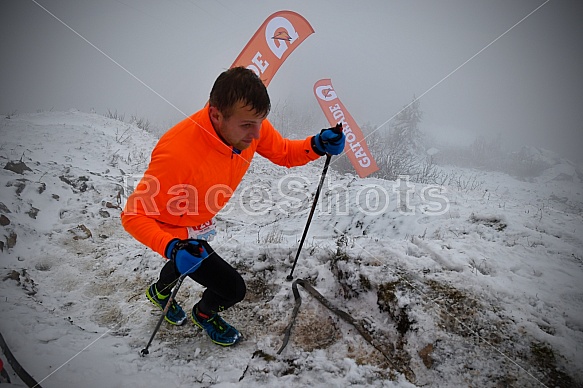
(486, 294)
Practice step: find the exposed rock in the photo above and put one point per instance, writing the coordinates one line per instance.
(78, 183)
(41, 187)
(33, 212)
(4, 208)
(425, 355)
(11, 240)
(81, 232)
(18, 167)
(20, 184)
(4, 220)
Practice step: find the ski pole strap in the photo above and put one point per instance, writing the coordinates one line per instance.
(409, 374)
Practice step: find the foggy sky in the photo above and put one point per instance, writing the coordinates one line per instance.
(528, 85)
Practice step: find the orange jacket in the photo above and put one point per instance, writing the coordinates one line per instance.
(192, 175)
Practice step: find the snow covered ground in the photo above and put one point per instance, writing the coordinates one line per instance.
(466, 285)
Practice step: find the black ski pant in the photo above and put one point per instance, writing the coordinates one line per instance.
(224, 285)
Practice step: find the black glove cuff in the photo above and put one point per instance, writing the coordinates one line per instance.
(314, 148)
(172, 254)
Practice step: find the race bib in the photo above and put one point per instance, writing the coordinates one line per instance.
(204, 231)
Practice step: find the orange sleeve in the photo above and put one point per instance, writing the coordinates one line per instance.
(146, 206)
(147, 231)
(282, 151)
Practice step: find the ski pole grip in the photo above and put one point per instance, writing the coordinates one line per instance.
(338, 128)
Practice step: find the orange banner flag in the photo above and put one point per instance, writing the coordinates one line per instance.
(335, 112)
(273, 42)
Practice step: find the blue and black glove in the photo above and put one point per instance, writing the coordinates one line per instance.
(329, 141)
(187, 255)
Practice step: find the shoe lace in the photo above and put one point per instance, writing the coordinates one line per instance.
(174, 306)
(218, 323)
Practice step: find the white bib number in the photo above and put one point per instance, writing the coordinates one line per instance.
(204, 231)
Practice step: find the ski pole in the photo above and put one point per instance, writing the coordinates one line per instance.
(170, 300)
(326, 164)
(338, 130)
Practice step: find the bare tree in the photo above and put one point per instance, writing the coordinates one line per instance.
(400, 151)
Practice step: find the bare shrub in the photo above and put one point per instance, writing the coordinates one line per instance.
(115, 115)
(141, 123)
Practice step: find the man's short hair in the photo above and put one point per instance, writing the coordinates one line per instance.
(239, 84)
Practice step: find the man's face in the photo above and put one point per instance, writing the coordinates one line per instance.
(240, 129)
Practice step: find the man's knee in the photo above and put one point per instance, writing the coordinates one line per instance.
(240, 289)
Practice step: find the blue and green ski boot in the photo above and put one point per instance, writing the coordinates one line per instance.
(175, 314)
(219, 331)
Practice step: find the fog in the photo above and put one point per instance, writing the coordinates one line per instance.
(479, 68)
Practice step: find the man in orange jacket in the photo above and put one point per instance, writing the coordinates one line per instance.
(194, 170)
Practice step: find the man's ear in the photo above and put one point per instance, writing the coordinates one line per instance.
(215, 115)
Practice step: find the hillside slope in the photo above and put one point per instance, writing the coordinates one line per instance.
(459, 287)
